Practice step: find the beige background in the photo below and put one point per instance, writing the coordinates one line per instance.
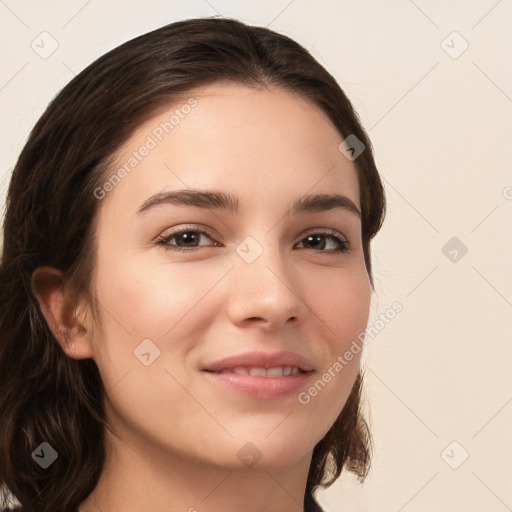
(440, 123)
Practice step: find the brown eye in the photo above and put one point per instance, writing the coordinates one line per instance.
(317, 241)
(189, 238)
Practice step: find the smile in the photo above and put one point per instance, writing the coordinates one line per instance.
(275, 371)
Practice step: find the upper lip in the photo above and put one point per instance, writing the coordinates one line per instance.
(261, 360)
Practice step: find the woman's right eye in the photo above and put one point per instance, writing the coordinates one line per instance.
(187, 236)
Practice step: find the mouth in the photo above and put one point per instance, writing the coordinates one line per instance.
(274, 371)
(261, 376)
(261, 364)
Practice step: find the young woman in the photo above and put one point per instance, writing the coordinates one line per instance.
(185, 277)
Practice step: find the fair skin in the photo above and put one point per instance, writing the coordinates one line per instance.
(175, 432)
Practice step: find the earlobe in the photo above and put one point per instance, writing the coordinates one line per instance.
(60, 312)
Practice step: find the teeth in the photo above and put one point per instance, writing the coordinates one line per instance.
(275, 371)
(258, 372)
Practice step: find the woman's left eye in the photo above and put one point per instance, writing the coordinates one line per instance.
(339, 240)
(193, 236)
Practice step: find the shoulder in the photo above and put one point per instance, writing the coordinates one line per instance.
(12, 509)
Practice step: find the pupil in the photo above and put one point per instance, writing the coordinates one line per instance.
(187, 237)
(311, 237)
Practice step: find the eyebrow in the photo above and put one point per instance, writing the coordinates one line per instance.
(215, 200)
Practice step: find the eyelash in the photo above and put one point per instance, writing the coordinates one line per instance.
(342, 242)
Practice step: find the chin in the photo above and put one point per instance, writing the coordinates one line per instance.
(276, 452)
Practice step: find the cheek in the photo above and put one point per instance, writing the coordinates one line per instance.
(350, 314)
(150, 298)
(150, 302)
(342, 306)
(342, 311)
(152, 318)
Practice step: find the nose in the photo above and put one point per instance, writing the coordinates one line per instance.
(266, 292)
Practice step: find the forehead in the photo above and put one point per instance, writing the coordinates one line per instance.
(256, 141)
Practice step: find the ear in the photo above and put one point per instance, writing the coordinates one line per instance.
(59, 310)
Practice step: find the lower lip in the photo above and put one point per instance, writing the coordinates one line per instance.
(261, 387)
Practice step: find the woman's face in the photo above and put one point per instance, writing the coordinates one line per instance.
(267, 282)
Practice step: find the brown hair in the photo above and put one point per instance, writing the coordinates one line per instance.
(50, 220)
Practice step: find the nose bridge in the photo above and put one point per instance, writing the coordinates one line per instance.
(264, 284)
(260, 257)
